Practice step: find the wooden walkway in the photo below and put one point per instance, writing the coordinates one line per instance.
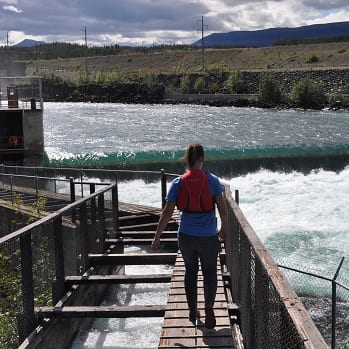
(178, 331)
(137, 226)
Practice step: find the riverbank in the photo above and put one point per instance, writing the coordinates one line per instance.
(151, 75)
(164, 88)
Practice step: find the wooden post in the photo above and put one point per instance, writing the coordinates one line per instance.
(115, 208)
(237, 198)
(81, 180)
(83, 237)
(101, 223)
(36, 181)
(72, 198)
(2, 174)
(163, 188)
(59, 284)
(11, 186)
(93, 208)
(27, 285)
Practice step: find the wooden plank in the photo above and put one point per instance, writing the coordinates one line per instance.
(183, 322)
(117, 279)
(192, 332)
(147, 234)
(197, 342)
(130, 241)
(132, 259)
(101, 311)
(178, 331)
(138, 219)
(181, 298)
(148, 226)
(220, 306)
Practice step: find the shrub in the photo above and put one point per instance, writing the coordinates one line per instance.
(200, 85)
(235, 83)
(216, 70)
(335, 96)
(84, 77)
(186, 84)
(213, 87)
(269, 91)
(312, 59)
(308, 93)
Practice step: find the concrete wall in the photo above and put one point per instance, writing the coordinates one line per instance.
(218, 97)
(33, 133)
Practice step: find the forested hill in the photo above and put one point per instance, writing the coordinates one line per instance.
(273, 36)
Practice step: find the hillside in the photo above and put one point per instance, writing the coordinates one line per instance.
(274, 58)
(271, 36)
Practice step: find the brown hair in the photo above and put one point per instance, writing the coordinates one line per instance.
(193, 153)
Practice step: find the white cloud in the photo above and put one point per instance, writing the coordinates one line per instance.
(12, 8)
(338, 16)
(152, 21)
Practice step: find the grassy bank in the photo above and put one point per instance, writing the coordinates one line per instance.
(147, 75)
(165, 61)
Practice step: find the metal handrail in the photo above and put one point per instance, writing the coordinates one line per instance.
(334, 283)
(18, 233)
(55, 219)
(82, 171)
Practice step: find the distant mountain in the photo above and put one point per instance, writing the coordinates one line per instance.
(30, 43)
(268, 37)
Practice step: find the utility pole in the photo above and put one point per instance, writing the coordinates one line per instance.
(86, 67)
(203, 27)
(7, 39)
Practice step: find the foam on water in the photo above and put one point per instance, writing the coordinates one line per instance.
(302, 219)
(131, 332)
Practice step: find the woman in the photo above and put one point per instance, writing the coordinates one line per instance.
(195, 193)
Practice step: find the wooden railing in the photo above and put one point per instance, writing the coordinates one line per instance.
(53, 174)
(271, 314)
(51, 227)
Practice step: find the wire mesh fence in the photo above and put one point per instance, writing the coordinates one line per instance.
(326, 298)
(271, 314)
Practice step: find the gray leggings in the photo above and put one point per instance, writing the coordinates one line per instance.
(206, 249)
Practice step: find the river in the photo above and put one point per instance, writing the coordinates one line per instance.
(299, 212)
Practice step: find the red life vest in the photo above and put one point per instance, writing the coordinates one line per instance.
(194, 194)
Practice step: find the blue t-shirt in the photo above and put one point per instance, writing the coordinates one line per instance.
(197, 224)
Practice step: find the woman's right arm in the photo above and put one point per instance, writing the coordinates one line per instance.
(163, 221)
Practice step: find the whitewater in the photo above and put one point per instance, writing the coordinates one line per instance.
(301, 217)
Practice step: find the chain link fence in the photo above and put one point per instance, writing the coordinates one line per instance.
(326, 298)
(271, 313)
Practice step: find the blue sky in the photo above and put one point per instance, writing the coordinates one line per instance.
(148, 22)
